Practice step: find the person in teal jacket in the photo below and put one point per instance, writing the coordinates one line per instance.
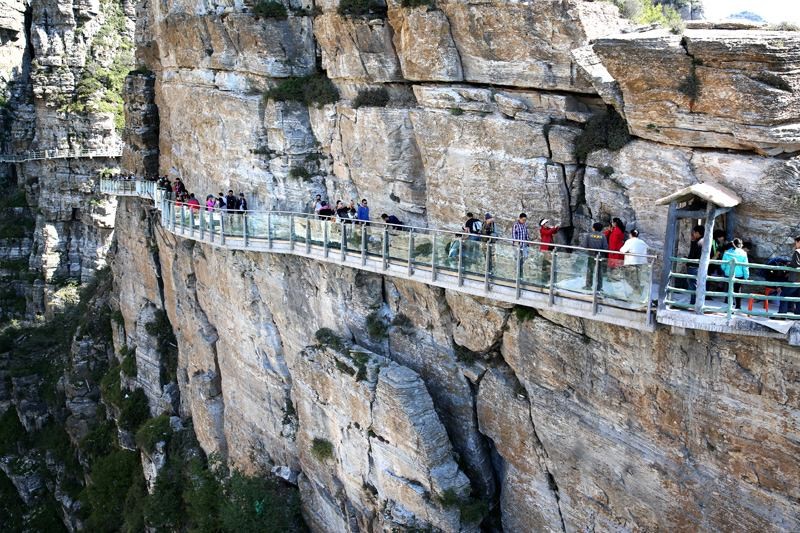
(735, 252)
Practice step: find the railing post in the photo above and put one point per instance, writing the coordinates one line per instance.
(385, 248)
(202, 223)
(595, 279)
(308, 235)
(244, 228)
(486, 285)
(211, 223)
(325, 224)
(221, 227)
(291, 232)
(460, 262)
(554, 258)
(183, 219)
(433, 256)
(411, 253)
(344, 241)
(650, 295)
(269, 231)
(518, 268)
(191, 222)
(731, 299)
(363, 244)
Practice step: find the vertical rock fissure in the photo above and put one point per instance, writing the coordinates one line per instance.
(543, 457)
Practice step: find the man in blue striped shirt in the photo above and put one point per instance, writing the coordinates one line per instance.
(519, 233)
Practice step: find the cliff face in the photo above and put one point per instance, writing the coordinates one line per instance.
(393, 404)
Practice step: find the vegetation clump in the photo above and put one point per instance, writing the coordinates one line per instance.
(269, 9)
(327, 338)
(314, 89)
(377, 329)
(472, 510)
(128, 365)
(300, 173)
(416, 3)
(650, 12)
(322, 449)
(361, 8)
(606, 130)
(371, 98)
(152, 432)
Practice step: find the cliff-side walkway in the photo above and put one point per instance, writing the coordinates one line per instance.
(565, 279)
(55, 153)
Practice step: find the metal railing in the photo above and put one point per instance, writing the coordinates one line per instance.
(58, 153)
(730, 295)
(569, 279)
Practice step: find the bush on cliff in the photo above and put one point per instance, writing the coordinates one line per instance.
(269, 9)
(361, 8)
(607, 130)
(416, 3)
(152, 432)
(315, 89)
(648, 12)
(371, 98)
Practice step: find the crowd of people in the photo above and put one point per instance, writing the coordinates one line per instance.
(734, 259)
(224, 202)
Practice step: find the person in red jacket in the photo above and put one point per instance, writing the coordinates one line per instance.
(546, 234)
(615, 241)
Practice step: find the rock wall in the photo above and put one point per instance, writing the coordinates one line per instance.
(394, 405)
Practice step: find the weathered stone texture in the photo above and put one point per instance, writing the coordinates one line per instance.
(709, 88)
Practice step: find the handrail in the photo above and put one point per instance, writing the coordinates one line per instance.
(493, 267)
(60, 153)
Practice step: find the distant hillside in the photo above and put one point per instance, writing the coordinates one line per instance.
(746, 15)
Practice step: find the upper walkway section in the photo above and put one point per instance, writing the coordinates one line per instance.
(56, 153)
(567, 279)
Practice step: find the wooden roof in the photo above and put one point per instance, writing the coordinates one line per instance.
(710, 192)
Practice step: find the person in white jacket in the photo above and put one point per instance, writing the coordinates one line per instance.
(635, 250)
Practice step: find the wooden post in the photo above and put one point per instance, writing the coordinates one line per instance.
(670, 245)
(705, 256)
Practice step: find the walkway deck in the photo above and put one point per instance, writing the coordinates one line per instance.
(40, 155)
(551, 280)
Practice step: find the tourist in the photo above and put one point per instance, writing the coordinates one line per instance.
(595, 240)
(392, 221)
(519, 234)
(736, 257)
(352, 213)
(231, 204)
(220, 201)
(193, 203)
(317, 204)
(635, 250)
(211, 202)
(178, 187)
(489, 232)
(473, 227)
(325, 211)
(547, 233)
(616, 238)
(242, 203)
(695, 251)
(341, 211)
(363, 211)
(793, 277)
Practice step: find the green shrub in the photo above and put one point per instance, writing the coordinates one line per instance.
(259, 504)
(133, 508)
(202, 496)
(315, 89)
(783, 26)
(167, 345)
(99, 441)
(648, 12)
(606, 171)
(327, 338)
(128, 365)
(371, 98)
(117, 317)
(111, 477)
(152, 432)
(456, 111)
(472, 510)
(322, 449)
(376, 327)
(269, 9)
(361, 8)
(416, 3)
(12, 433)
(524, 313)
(134, 410)
(606, 130)
(402, 321)
(110, 387)
(300, 173)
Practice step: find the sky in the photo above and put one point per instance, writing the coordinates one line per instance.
(772, 11)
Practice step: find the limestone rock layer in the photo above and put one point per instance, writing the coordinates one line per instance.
(397, 406)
